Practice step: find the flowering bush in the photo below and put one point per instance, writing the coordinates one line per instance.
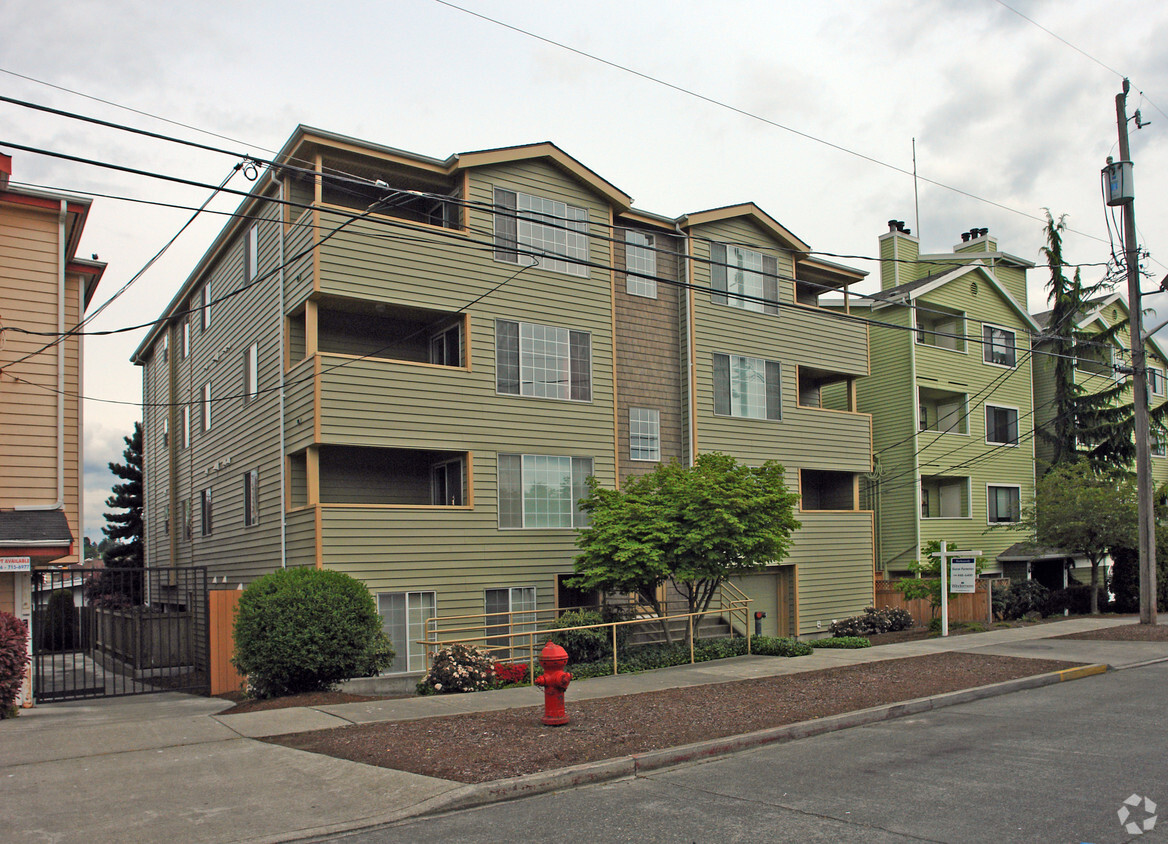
(13, 659)
(872, 622)
(458, 668)
(508, 674)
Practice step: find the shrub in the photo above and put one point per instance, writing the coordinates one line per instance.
(779, 646)
(841, 642)
(458, 668)
(13, 659)
(304, 630)
(60, 622)
(510, 674)
(1076, 599)
(583, 645)
(1024, 597)
(872, 622)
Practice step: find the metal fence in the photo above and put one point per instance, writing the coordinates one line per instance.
(109, 632)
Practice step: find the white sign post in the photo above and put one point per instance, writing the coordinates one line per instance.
(964, 577)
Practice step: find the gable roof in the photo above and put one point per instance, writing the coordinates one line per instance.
(551, 152)
(904, 293)
(750, 211)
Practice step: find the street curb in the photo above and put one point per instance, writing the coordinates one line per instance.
(481, 794)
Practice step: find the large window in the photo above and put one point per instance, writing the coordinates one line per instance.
(510, 613)
(644, 433)
(542, 361)
(743, 278)
(1001, 425)
(1003, 504)
(542, 491)
(403, 618)
(998, 346)
(640, 257)
(550, 234)
(747, 387)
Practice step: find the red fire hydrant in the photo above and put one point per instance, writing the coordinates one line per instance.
(555, 682)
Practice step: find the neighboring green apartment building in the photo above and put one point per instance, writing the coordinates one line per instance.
(404, 368)
(951, 398)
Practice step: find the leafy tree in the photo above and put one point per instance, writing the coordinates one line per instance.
(691, 527)
(124, 530)
(1086, 510)
(927, 583)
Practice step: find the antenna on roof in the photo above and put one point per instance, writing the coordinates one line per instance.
(916, 196)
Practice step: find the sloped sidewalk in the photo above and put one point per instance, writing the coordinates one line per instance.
(170, 767)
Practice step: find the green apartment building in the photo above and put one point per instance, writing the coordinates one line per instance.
(404, 368)
(951, 398)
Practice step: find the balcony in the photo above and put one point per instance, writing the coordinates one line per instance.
(940, 328)
(381, 477)
(944, 497)
(942, 411)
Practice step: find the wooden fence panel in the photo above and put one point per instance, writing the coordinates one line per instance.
(224, 677)
(965, 607)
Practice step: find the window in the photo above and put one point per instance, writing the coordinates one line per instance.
(542, 361)
(446, 347)
(736, 272)
(186, 337)
(165, 428)
(924, 501)
(251, 253)
(1004, 504)
(185, 514)
(251, 498)
(644, 434)
(205, 509)
(746, 387)
(251, 371)
(1001, 425)
(554, 234)
(403, 618)
(998, 346)
(922, 417)
(166, 347)
(186, 426)
(205, 306)
(542, 491)
(1155, 381)
(207, 407)
(448, 483)
(640, 257)
(510, 613)
(1156, 443)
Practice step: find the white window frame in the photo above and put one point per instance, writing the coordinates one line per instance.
(207, 407)
(251, 371)
(742, 371)
(528, 467)
(1157, 444)
(552, 234)
(206, 513)
(1155, 379)
(988, 345)
(416, 608)
(1018, 489)
(251, 498)
(205, 306)
(251, 253)
(186, 336)
(641, 258)
(541, 371)
(644, 434)
(1017, 429)
(186, 426)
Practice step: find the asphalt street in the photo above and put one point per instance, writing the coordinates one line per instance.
(1047, 765)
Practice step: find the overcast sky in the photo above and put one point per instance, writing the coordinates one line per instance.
(1001, 110)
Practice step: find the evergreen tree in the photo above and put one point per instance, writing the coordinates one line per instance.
(124, 529)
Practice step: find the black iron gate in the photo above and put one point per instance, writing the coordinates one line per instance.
(109, 632)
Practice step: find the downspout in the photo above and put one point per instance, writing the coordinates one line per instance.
(283, 377)
(62, 216)
(686, 294)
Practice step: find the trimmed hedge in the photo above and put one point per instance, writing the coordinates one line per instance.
(305, 630)
(13, 658)
(841, 642)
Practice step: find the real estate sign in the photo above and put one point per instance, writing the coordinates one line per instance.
(962, 574)
(15, 563)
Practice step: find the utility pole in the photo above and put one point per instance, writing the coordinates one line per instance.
(1140, 375)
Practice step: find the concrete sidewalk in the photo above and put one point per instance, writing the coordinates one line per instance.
(170, 767)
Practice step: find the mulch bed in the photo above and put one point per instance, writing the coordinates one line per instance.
(243, 704)
(1124, 633)
(487, 746)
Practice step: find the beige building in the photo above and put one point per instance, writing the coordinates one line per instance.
(44, 289)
